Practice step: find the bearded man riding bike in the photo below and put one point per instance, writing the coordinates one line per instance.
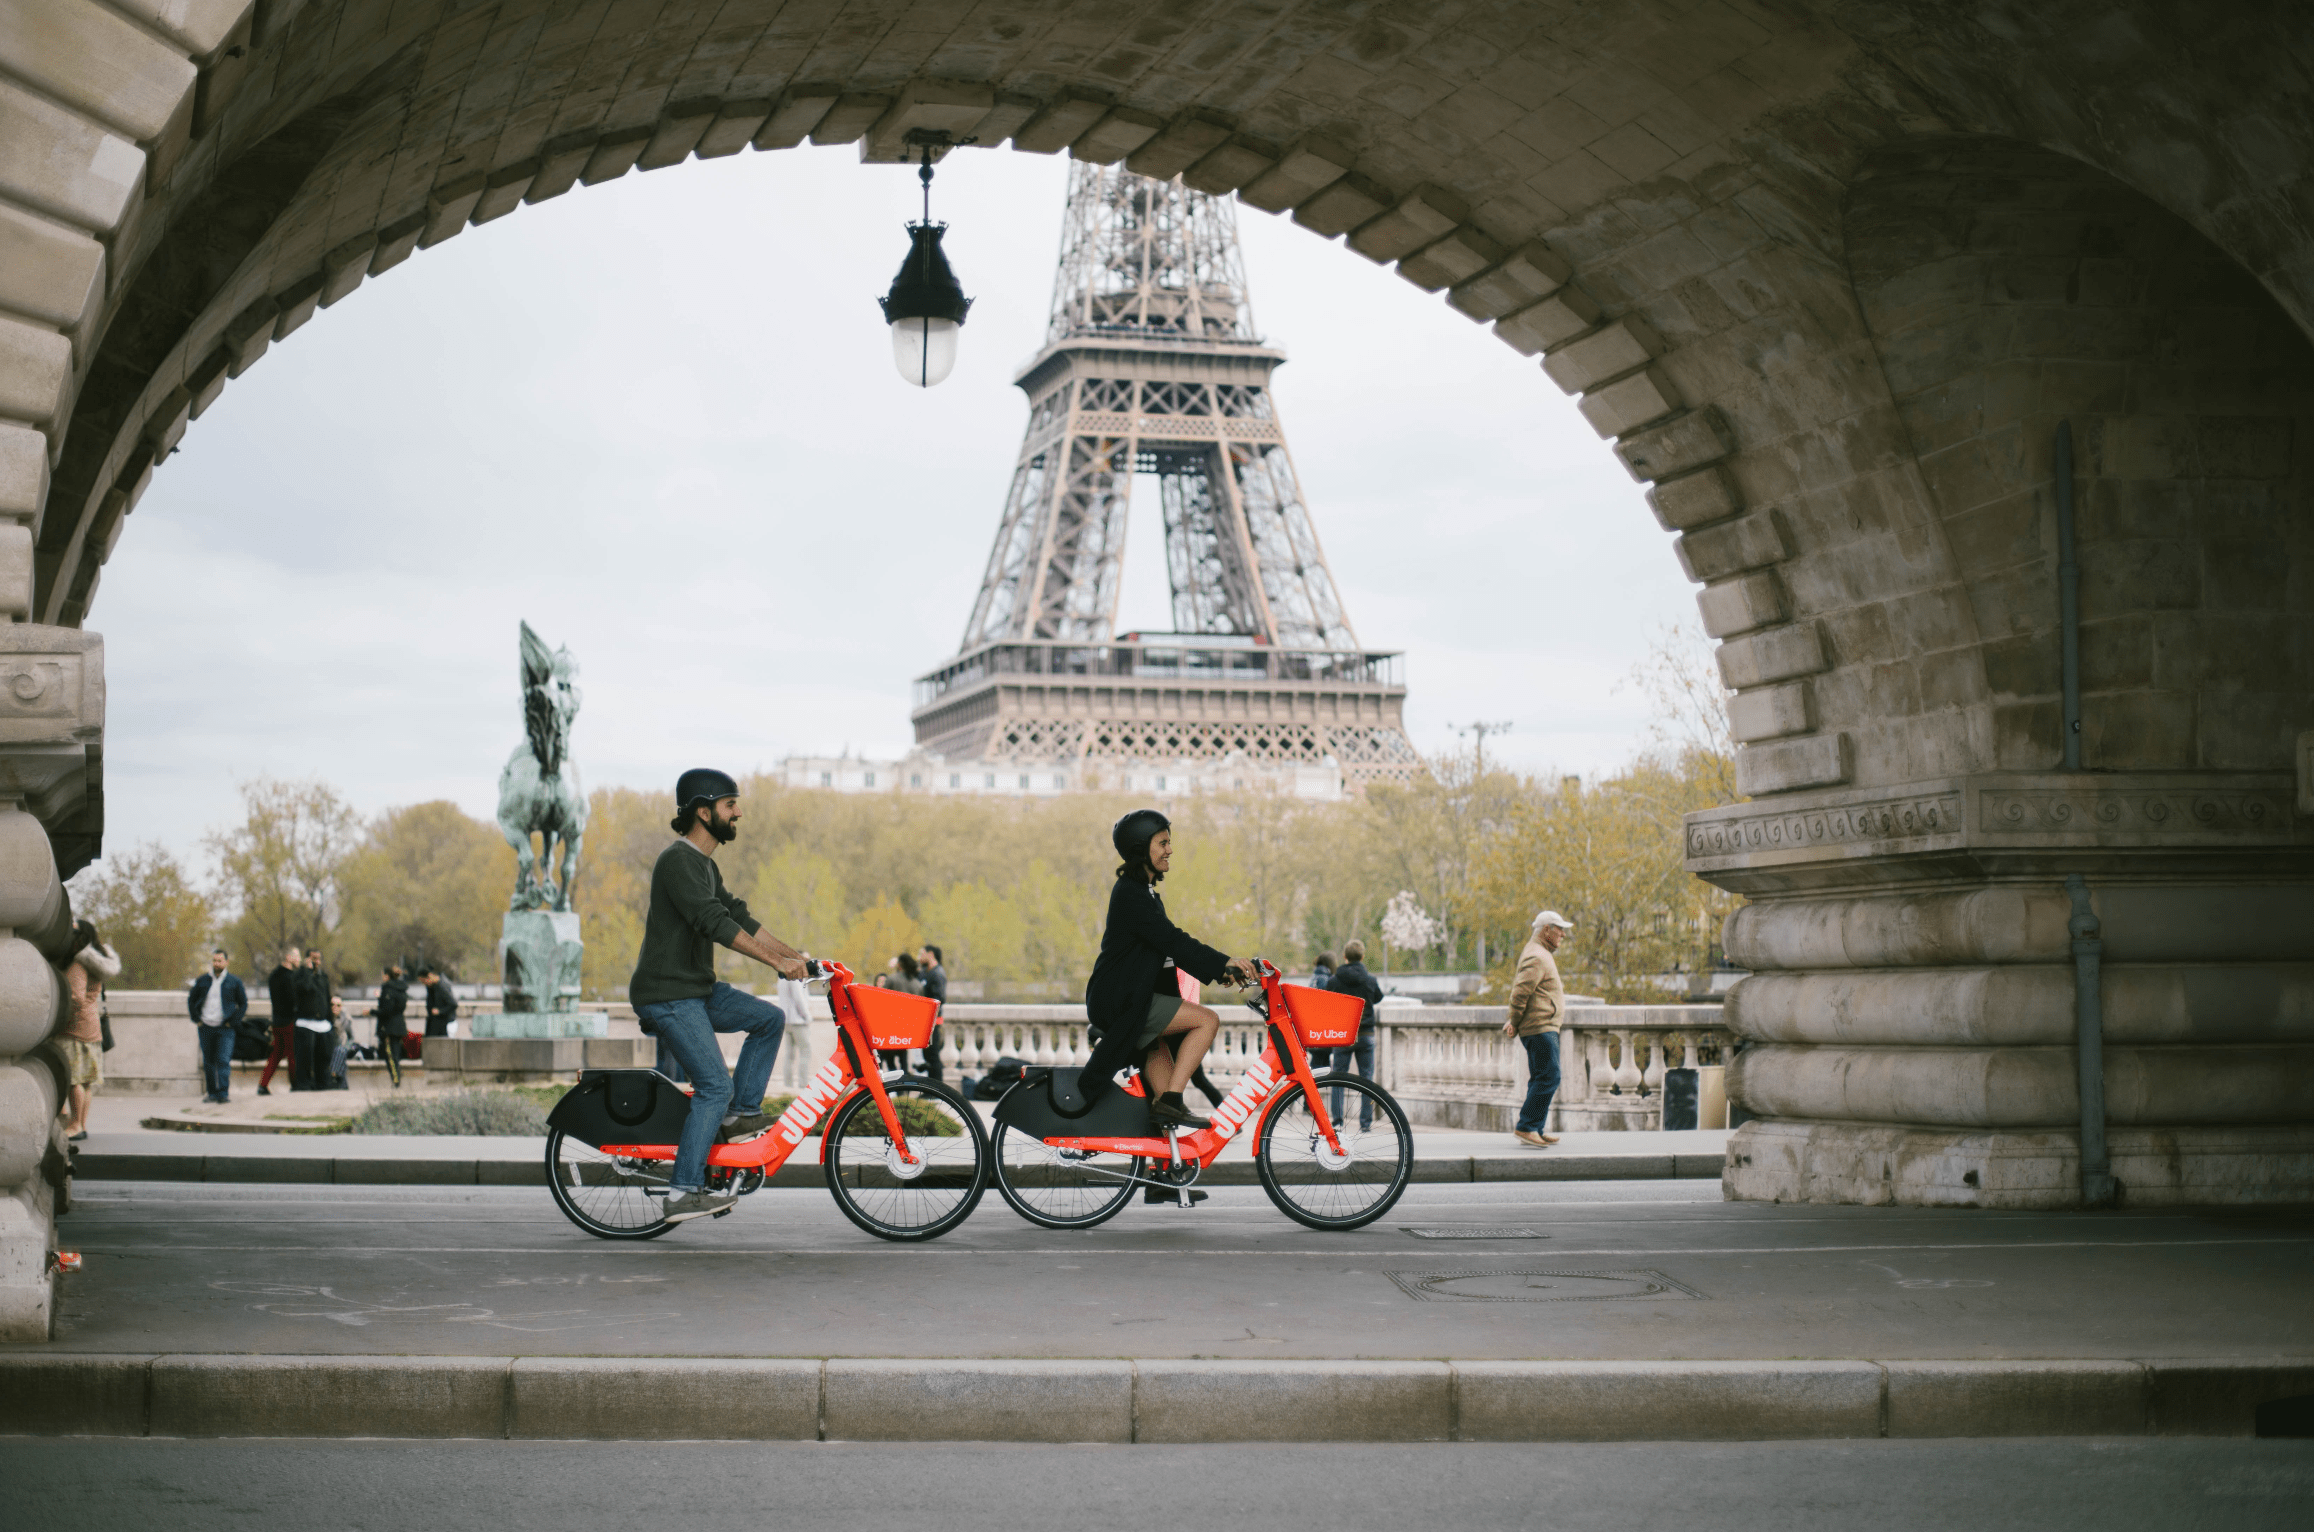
(678, 999)
(1133, 1000)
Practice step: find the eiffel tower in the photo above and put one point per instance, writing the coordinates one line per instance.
(1152, 366)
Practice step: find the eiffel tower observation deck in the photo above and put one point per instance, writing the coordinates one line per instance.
(1152, 367)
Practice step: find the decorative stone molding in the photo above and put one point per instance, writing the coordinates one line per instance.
(2154, 813)
(1910, 816)
(2015, 823)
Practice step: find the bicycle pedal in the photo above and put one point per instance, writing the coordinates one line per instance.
(720, 1213)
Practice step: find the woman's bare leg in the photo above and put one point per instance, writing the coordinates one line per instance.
(76, 1110)
(1166, 1070)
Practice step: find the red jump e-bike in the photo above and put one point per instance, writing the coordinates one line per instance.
(1332, 1150)
(905, 1158)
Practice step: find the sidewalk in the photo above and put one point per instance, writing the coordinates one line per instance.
(118, 1148)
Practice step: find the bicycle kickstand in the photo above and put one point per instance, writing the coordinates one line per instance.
(1173, 1143)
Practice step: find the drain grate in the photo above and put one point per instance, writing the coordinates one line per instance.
(1495, 1285)
(1471, 1231)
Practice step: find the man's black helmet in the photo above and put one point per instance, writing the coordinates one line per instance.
(1135, 831)
(703, 784)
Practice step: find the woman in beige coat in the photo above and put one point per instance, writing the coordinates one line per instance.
(88, 963)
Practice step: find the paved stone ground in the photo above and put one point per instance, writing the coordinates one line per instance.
(1918, 1486)
(497, 1271)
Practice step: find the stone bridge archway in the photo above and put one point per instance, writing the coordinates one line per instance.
(1716, 221)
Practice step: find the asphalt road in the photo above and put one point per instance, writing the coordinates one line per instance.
(1616, 1270)
(1890, 1486)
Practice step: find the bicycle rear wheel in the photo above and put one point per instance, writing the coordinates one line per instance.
(889, 1197)
(1313, 1185)
(1061, 1188)
(609, 1198)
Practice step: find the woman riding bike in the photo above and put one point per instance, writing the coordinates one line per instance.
(1133, 1000)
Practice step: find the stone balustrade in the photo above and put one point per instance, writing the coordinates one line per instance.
(1449, 1066)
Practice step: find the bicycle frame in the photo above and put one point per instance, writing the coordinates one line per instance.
(1252, 1101)
(832, 1086)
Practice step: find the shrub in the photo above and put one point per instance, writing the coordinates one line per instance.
(482, 1113)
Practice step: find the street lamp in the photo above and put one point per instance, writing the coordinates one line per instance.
(926, 306)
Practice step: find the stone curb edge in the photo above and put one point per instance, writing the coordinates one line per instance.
(361, 1171)
(1125, 1401)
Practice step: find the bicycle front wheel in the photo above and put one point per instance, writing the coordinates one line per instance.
(899, 1199)
(1313, 1184)
(609, 1198)
(1061, 1188)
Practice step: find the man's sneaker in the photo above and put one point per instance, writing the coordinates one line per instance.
(744, 1127)
(685, 1206)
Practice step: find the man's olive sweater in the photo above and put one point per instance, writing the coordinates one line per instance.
(691, 915)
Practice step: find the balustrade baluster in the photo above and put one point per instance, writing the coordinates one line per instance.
(1652, 1079)
(1626, 1068)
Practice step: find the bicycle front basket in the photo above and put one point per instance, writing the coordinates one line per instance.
(1327, 1019)
(894, 1018)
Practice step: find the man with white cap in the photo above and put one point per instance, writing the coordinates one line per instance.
(1538, 1000)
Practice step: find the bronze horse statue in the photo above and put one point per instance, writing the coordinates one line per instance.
(539, 793)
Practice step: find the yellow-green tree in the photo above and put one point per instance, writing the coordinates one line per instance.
(981, 933)
(626, 831)
(880, 932)
(148, 910)
(427, 888)
(279, 867)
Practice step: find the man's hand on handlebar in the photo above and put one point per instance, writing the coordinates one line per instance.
(793, 968)
(1239, 972)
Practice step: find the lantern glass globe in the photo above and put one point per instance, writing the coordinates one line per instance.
(924, 349)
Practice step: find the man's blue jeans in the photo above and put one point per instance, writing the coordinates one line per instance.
(216, 1059)
(1362, 1051)
(1542, 1081)
(686, 1029)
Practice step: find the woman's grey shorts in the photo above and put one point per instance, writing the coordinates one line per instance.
(1161, 1012)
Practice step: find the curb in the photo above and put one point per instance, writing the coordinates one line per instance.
(364, 1170)
(1127, 1401)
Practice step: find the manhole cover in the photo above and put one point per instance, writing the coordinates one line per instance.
(1471, 1231)
(1495, 1286)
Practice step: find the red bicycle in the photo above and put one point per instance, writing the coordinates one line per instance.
(1064, 1165)
(905, 1158)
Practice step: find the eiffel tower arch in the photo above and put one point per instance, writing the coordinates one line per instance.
(1152, 367)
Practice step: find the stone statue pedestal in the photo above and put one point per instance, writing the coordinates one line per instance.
(539, 955)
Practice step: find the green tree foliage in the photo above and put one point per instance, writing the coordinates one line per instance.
(146, 907)
(279, 867)
(425, 889)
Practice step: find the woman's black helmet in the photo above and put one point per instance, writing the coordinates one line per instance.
(1135, 831)
(703, 784)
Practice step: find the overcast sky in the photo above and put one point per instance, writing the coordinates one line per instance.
(658, 419)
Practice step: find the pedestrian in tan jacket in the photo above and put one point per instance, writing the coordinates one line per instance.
(1538, 1001)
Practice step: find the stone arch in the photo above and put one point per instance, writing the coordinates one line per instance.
(1682, 206)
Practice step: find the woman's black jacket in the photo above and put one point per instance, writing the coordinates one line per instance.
(1134, 946)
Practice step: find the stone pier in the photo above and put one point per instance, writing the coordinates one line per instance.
(51, 812)
(1910, 1024)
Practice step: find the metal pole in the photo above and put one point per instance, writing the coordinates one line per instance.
(2068, 596)
(2098, 1189)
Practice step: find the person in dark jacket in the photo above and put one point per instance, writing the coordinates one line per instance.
(1133, 1000)
(393, 1026)
(934, 977)
(309, 1064)
(281, 987)
(1322, 971)
(441, 1005)
(217, 1002)
(1353, 979)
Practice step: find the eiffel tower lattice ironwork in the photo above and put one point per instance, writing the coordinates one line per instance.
(1152, 367)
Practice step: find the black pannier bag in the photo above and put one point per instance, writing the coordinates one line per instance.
(1050, 1103)
(622, 1106)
